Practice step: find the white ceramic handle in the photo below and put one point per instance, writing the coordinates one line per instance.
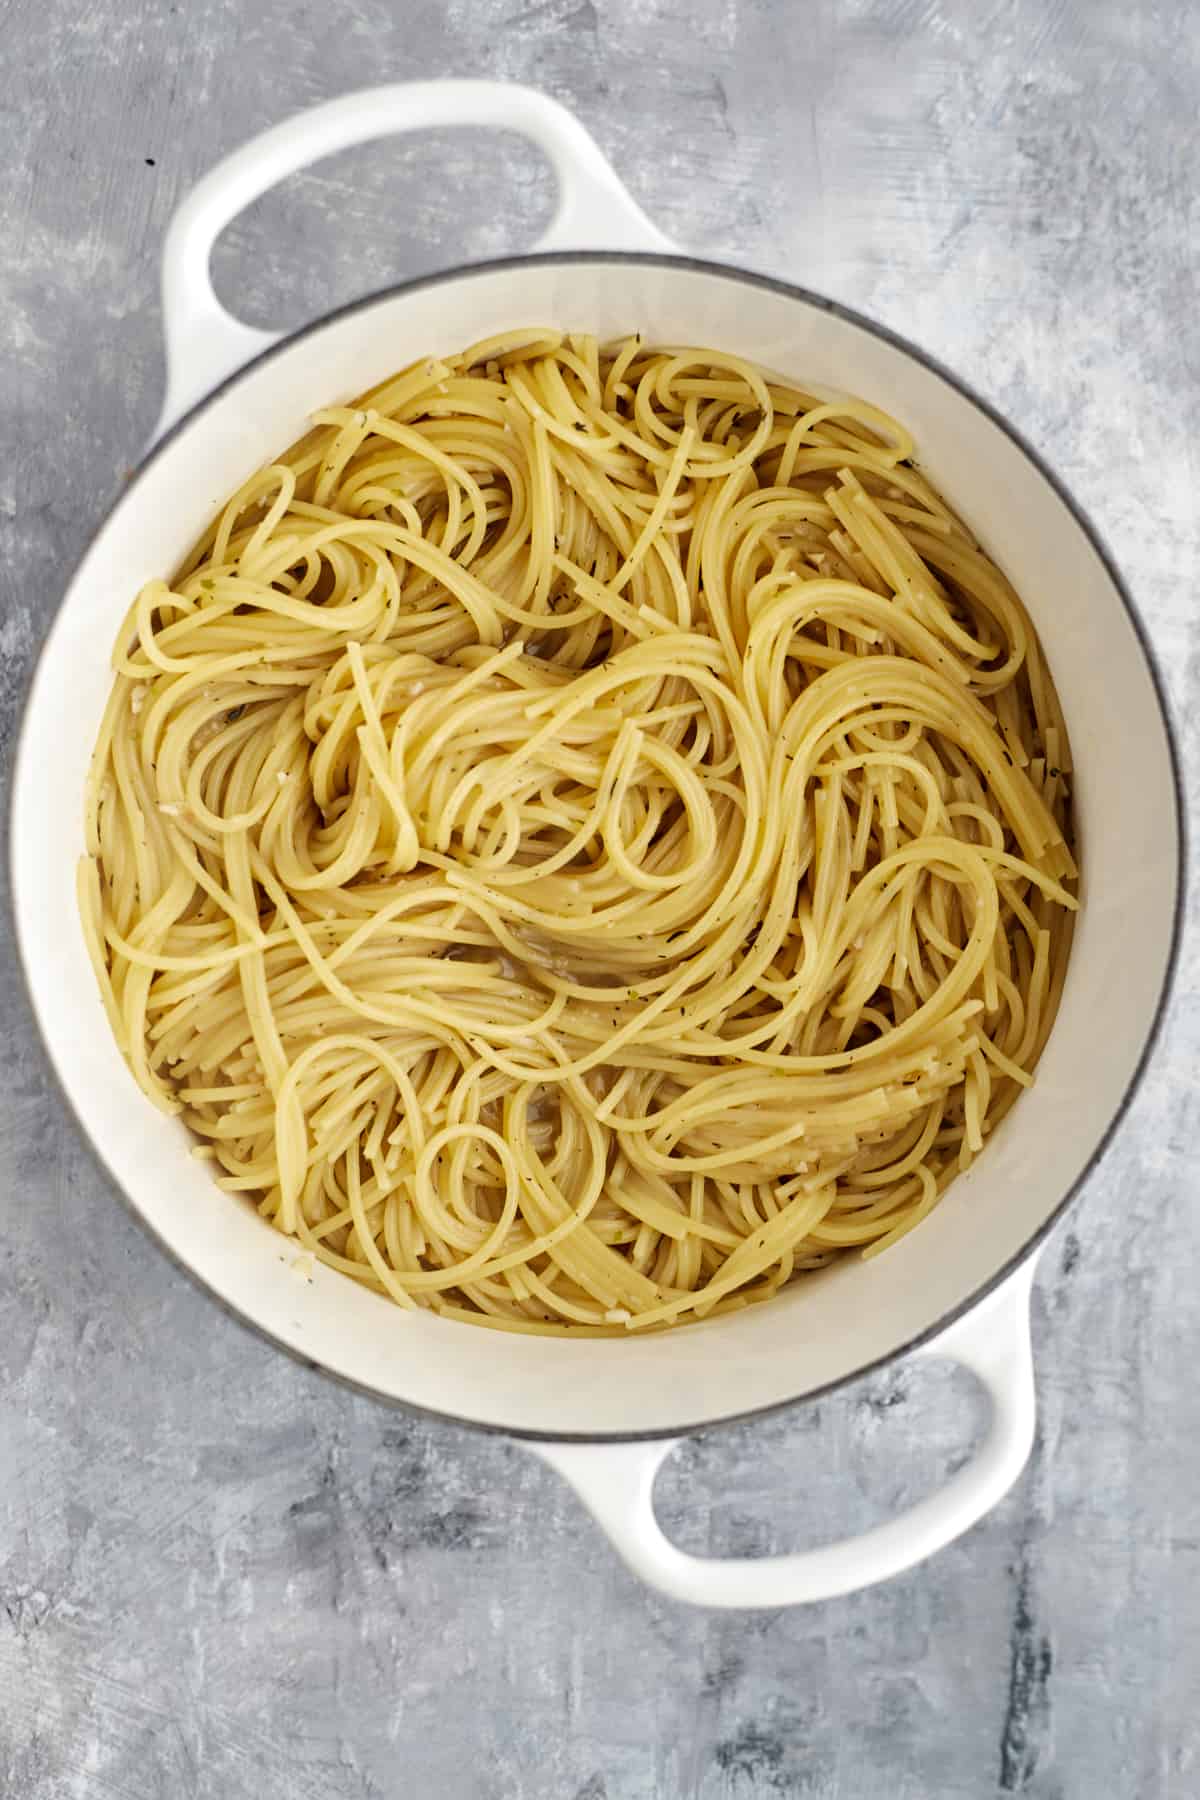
(205, 343)
(616, 1483)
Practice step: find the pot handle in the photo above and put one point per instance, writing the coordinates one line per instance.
(205, 343)
(616, 1483)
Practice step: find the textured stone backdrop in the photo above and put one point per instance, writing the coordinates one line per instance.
(222, 1578)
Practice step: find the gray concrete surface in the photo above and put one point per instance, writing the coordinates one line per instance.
(221, 1577)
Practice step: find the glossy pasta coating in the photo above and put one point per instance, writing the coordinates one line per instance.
(584, 838)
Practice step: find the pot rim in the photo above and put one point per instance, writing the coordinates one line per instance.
(964, 391)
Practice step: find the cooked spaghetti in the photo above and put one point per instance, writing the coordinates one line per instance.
(584, 838)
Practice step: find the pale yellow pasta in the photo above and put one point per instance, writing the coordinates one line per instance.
(584, 838)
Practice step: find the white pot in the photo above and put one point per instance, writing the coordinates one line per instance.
(605, 1413)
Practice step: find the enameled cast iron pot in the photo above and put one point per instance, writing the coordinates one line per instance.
(605, 1413)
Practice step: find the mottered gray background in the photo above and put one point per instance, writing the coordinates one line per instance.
(223, 1578)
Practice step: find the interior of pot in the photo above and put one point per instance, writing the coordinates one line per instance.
(833, 1325)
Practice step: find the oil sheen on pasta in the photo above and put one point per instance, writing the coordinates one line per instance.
(584, 838)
